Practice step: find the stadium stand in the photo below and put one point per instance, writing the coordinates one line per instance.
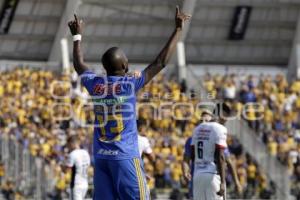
(40, 107)
(26, 119)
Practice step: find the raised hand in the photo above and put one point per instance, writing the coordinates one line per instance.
(180, 18)
(78, 61)
(75, 26)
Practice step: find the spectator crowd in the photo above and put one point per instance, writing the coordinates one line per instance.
(273, 111)
(40, 109)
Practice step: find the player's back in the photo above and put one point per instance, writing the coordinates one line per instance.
(205, 138)
(80, 160)
(114, 99)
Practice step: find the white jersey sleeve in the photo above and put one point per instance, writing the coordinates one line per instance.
(144, 145)
(70, 160)
(221, 135)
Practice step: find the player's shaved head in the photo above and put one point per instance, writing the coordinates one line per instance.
(115, 61)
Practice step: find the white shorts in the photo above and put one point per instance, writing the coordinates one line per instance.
(206, 186)
(78, 193)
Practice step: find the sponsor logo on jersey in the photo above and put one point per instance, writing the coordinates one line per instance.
(204, 131)
(203, 138)
(99, 89)
(108, 152)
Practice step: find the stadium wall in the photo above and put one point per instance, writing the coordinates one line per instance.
(200, 70)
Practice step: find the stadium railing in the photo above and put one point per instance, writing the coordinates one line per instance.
(276, 172)
(27, 173)
(6, 65)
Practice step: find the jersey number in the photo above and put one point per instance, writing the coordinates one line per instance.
(115, 130)
(84, 170)
(200, 149)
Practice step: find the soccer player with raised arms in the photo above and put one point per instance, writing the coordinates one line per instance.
(118, 169)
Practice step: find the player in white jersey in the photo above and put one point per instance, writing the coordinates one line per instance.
(145, 149)
(208, 144)
(188, 166)
(79, 160)
(144, 143)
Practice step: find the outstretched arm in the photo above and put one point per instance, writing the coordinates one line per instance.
(233, 172)
(164, 56)
(76, 30)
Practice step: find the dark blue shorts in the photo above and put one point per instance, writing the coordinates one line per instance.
(119, 180)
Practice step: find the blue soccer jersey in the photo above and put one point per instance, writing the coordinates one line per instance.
(114, 99)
